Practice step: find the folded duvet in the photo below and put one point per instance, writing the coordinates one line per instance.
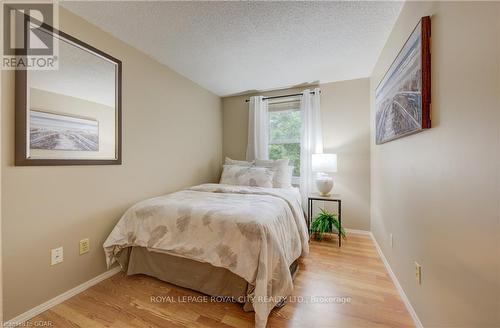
(254, 232)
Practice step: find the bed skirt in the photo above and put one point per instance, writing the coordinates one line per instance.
(201, 277)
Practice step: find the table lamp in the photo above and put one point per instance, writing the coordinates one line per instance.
(323, 164)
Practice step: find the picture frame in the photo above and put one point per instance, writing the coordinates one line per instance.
(403, 96)
(77, 133)
(73, 153)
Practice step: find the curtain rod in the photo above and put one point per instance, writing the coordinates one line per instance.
(283, 96)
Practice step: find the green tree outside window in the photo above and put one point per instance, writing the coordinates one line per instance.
(284, 137)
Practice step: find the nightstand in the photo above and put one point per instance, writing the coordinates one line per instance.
(332, 198)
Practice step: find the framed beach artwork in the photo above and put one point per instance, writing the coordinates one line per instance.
(51, 131)
(403, 96)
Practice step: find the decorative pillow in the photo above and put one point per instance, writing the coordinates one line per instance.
(230, 161)
(282, 173)
(247, 176)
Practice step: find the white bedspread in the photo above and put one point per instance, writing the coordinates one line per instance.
(254, 232)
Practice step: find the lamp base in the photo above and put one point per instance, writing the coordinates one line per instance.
(324, 185)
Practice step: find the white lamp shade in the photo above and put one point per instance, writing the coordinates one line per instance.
(326, 163)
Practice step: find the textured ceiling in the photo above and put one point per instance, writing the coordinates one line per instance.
(233, 47)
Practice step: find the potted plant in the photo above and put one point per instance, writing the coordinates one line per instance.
(326, 222)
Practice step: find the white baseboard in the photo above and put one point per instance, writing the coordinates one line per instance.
(361, 232)
(17, 321)
(400, 290)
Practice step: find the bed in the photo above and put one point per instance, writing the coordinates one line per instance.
(222, 240)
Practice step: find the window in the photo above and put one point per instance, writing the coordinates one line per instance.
(284, 132)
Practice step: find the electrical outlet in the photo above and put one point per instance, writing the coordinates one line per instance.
(418, 273)
(84, 246)
(391, 239)
(57, 255)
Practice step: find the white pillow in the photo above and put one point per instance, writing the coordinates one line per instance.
(247, 176)
(282, 172)
(230, 161)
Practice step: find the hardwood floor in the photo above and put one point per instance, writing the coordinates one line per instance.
(353, 272)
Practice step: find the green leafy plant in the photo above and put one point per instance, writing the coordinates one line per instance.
(326, 222)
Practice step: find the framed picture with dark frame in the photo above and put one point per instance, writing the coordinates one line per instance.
(403, 96)
(70, 115)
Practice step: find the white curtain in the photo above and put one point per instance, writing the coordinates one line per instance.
(311, 138)
(258, 132)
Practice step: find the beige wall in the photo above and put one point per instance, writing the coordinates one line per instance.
(172, 138)
(1, 182)
(498, 238)
(346, 131)
(437, 191)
